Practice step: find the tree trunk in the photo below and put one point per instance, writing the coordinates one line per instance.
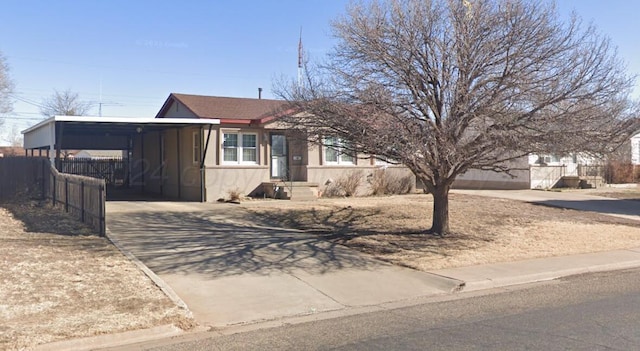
(440, 225)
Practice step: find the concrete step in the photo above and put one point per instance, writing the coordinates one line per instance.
(299, 191)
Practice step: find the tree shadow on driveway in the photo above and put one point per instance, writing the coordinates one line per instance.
(221, 244)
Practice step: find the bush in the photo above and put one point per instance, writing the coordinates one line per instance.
(617, 172)
(347, 185)
(234, 195)
(384, 182)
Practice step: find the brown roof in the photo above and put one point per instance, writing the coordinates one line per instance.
(11, 151)
(227, 109)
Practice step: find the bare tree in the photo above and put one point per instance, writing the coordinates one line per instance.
(445, 86)
(14, 137)
(66, 103)
(6, 87)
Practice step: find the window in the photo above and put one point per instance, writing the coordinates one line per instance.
(335, 152)
(196, 147)
(240, 148)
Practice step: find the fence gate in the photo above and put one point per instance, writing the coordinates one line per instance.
(113, 171)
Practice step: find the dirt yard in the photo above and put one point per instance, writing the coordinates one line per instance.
(59, 282)
(485, 230)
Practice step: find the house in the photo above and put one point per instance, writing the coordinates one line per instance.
(248, 151)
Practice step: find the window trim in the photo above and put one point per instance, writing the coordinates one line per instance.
(196, 148)
(339, 148)
(240, 148)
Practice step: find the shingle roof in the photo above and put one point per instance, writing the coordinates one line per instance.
(227, 108)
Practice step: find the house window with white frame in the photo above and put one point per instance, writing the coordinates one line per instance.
(196, 147)
(336, 153)
(239, 148)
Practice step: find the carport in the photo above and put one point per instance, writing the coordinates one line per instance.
(164, 156)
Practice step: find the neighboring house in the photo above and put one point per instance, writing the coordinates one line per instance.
(8, 151)
(97, 154)
(635, 149)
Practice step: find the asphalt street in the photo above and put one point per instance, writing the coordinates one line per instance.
(598, 311)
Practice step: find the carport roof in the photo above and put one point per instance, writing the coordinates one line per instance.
(123, 121)
(44, 133)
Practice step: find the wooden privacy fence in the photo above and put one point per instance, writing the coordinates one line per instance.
(21, 177)
(83, 197)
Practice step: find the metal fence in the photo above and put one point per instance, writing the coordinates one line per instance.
(81, 196)
(113, 171)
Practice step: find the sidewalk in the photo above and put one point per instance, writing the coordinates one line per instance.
(371, 296)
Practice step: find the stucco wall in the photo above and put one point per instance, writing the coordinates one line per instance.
(478, 179)
(482, 179)
(221, 180)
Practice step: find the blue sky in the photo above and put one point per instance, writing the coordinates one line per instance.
(132, 54)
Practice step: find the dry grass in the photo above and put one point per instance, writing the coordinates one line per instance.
(60, 282)
(485, 230)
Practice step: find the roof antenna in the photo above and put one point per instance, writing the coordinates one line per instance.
(259, 93)
(300, 59)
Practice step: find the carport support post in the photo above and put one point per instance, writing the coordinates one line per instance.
(203, 197)
(179, 163)
(59, 145)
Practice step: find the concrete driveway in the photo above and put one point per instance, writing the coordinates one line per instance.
(229, 270)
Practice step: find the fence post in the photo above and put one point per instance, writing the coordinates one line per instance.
(103, 224)
(66, 194)
(82, 200)
(44, 187)
(54, 186)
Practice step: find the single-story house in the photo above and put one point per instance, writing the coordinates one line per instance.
(248, 152)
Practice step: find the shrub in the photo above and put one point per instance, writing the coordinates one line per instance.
(385, 182)
(350, 182)
(347, 185)
(234, 195)
(617, 172)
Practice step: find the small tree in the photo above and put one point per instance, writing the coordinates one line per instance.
(6, 87)
(445, 86)
(66, 103)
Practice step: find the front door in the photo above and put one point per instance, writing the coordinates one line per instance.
(279, 156)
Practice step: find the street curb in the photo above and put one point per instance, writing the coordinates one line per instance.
(112, 340)
(544, 275)
(166, 289)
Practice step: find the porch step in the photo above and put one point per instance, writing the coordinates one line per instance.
(592, 182)
(298, 191)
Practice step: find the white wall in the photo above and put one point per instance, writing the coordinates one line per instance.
(635, 149)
